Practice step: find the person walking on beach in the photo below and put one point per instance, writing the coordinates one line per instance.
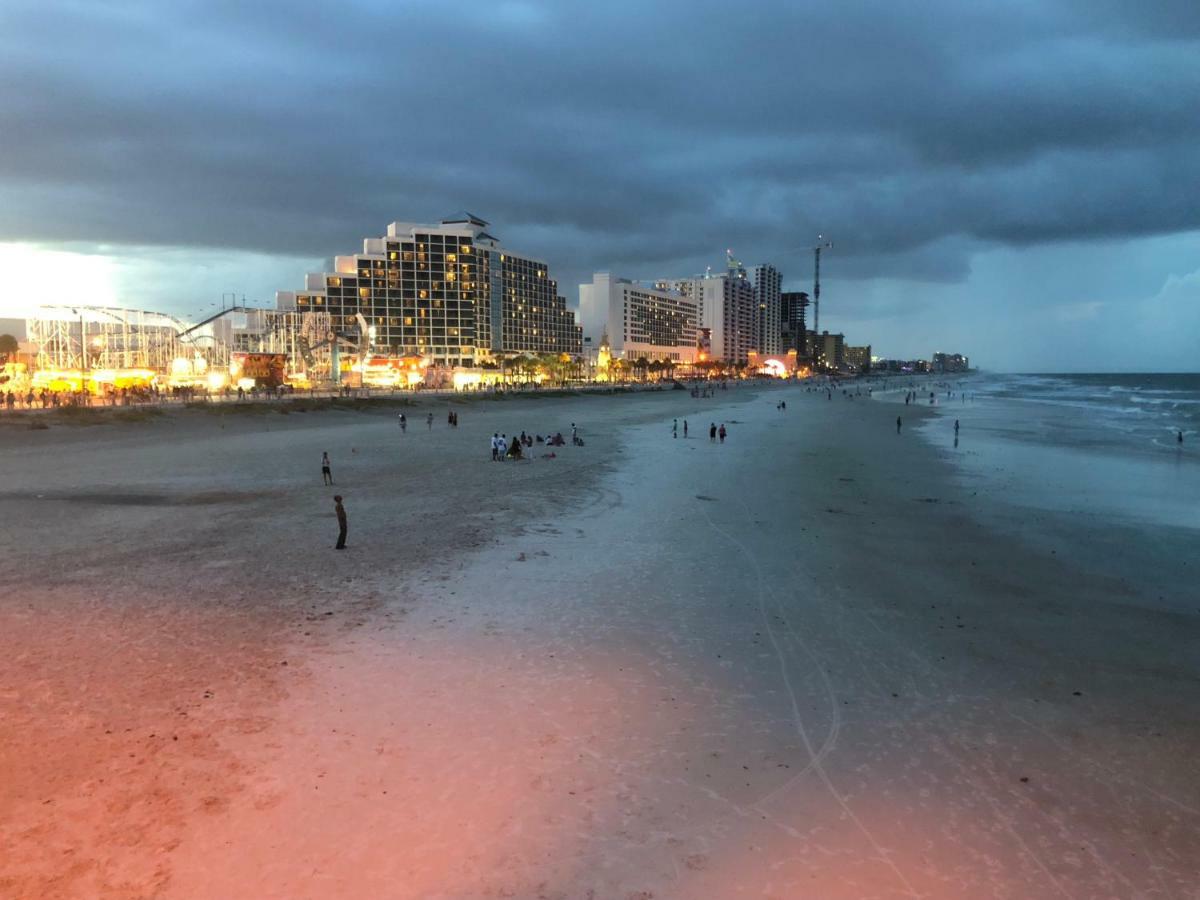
(574, 434)
(685, 428)
(721, 432)
(326, 472)
(898, 423)
(712, 431)
(495, 445)
(1179, 439)
(341, 517)
(502, 447)
(674, 428)
(403, 424)
(956, 427)
(429, 421)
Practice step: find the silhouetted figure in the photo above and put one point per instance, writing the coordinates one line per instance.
(956, 427)
(898, 424)
(674, 428)
(685, 427)
(1179, 439)
(721, 432)
(326, 472)
(712, 431)
(341, 517)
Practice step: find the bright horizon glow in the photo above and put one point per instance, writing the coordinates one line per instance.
(35, 276)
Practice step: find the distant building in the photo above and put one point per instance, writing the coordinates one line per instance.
(792, 309)
(947, 363)
(449, 292)
(858, 358)
(641, 322)
(767, 286)
(728, 312)
(828, 350)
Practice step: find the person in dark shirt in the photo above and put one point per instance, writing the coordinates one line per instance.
(341, 517)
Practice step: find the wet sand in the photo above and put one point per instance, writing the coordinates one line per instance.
(801, 664)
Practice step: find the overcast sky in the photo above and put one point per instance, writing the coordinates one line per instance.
(1017, 181)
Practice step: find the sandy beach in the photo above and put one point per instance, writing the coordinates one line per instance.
(814, 661)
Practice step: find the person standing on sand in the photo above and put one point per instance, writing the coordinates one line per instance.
(712, 431)
(956, 427)
(326, 472)
(898, 423)
(574, 434)
(403, 424)
(341, 517)
(674, 428)
(721, 432)
(429, 421)
(1179, 439)
(495, 445)
(685, 428)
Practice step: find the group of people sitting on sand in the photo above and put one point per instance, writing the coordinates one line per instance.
(515, 448)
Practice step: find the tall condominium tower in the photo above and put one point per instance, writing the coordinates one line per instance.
(447, 292)
(768, 283)
(728, 311)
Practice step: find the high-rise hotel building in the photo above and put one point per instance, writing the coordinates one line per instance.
(768, 283)
(728, 312)
(641, 322)
(447, 292)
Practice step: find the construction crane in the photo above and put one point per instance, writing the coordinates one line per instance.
(822, 244)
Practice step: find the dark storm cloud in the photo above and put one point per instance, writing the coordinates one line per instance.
(644, 138)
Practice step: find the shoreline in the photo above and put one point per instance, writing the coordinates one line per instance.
(744, 647)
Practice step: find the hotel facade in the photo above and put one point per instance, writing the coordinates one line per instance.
(640, 322)
(728, 313)
(449, 293)
(768, 286)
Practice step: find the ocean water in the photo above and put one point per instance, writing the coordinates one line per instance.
(1091, 445)
(1133, 412)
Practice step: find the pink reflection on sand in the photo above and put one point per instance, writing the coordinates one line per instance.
(435, 768)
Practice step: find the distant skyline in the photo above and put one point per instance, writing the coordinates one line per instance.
(1012, 181)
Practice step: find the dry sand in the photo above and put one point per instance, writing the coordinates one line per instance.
(802, 664)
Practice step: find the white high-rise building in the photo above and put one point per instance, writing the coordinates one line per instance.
(768, 284)
(728, 312)
(449, 292)
(641, 322)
